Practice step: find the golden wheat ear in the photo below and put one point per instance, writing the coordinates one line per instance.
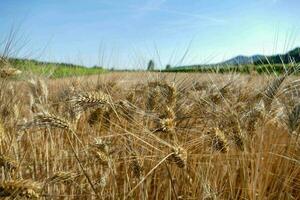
(8, 72)
(6, 69)
(135, 162)
(62, 176)
(101, 156)
(219, 141)
(20, 188)
(293, 118)
(272, 89)
(170, 93)
(100, 150)
(178, 156)
(8, 163)
(39, 91)
(44, 120)
(239, 141)
(102, 145)
(83, 101)
(53, 121)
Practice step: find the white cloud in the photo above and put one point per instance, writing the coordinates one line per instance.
(157, 5)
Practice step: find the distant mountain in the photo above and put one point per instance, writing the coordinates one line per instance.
(242, 60)
(293, 55)
(290, 56)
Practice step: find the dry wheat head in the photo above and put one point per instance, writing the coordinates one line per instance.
(8, 162)
(22, 188)
(219, 141)
(43, 120)
(136, 165)
(83, 101)
(7, 72)
(178, 156)
(62, 176)
(293, 118)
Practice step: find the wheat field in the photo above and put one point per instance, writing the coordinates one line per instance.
(150, 136)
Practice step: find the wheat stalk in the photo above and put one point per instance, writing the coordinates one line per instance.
(2, 134)
(126, 109)
(62, 176)
(52, 121)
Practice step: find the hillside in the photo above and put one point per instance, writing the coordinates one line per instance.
(241, 63)
(53, 69)
(290, 56)
(242, 60)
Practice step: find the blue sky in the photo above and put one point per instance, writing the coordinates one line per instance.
(127, 33)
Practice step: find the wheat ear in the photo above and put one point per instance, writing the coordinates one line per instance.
(21, 188)
(83, 101)
(293, 118)
(53, 121)
(8, 162)
(178, 156)
(7, 72)
(62, 176)
(219, 141)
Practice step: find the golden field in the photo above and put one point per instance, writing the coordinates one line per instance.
(150, 136)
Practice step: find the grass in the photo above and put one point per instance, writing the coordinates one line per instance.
(53, 70)
(151, 136)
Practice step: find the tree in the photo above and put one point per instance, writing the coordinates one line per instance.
(150, 65)
(168, 67)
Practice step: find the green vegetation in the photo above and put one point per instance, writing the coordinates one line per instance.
(291, 56)
(60, 70)
(263, 68)
(53, 70)
(168, 67)
(151, 65)
(243, 64)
